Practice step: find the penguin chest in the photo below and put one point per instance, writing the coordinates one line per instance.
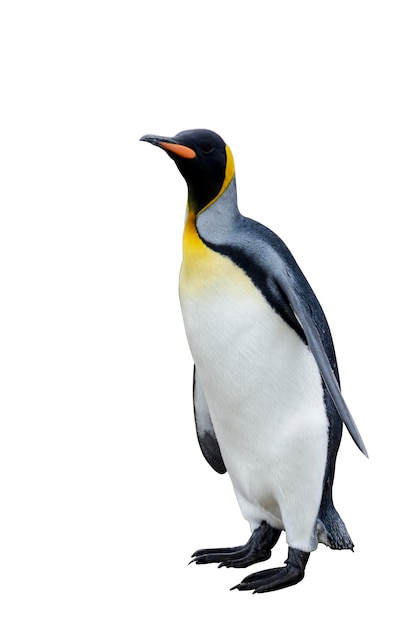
(261, 382)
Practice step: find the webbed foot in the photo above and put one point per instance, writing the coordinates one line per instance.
(257, 549)
(278, 577)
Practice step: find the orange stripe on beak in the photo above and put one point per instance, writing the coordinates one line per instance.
(182, 151)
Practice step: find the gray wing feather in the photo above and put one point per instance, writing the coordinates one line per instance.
(316, 346)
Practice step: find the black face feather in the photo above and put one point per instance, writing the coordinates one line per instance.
(205, 173)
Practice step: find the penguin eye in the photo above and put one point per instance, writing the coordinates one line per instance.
(207, 149)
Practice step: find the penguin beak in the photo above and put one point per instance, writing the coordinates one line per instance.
(170, 145)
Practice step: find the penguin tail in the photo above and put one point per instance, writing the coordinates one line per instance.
(332, 531)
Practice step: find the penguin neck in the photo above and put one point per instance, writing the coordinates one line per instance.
(215, 222)
(211, 224)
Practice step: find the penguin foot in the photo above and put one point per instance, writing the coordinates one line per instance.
(257, 549)
(278, 577)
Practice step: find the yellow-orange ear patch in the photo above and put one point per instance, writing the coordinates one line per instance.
(182, 151)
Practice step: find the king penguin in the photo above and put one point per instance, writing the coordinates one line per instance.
(267, 401)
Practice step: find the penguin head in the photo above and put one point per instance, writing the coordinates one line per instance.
(204, 161)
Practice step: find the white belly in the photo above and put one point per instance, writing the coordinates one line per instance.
(265, 396)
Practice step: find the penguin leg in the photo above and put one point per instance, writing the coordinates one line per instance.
(278, 577)
(257, 549)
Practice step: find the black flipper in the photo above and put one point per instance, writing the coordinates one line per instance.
(204, 427)
(313, 337)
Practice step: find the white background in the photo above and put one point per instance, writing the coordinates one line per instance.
(104, 492)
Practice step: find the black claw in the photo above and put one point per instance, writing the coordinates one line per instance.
(204, 558)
